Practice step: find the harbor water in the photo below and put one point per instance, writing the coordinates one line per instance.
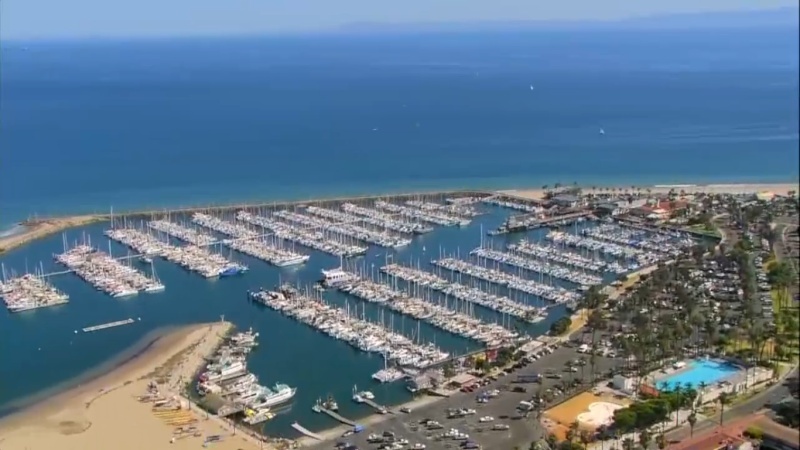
(289, 352)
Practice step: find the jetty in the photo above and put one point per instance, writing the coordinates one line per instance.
(525, 222)
(334, 415)
(380, 408)
(306, 432)
(118, 323)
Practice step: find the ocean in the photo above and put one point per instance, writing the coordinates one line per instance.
(86, 126)
(90, 125)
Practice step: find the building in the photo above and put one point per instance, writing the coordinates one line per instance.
(609, 209)
(566, 200)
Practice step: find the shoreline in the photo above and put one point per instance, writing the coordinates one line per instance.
(39, 228)
(128, 356)
(96, 411)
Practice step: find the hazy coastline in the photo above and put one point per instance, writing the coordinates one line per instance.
(41, 227)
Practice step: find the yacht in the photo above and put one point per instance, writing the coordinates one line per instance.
(257, 415)
(336, 277)
(278, 394)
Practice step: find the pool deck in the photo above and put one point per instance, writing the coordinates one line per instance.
(669, 374)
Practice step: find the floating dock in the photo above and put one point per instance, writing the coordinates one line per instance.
(336, 416)
(118, 323)
(380, 408)
(305, 431)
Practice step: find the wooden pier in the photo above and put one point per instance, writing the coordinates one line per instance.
(380, 408)
(524, 222)
(336, 416)
(305, 432)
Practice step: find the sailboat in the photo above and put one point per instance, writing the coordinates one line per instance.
(157, 285)
(602, 131)
(532, 87)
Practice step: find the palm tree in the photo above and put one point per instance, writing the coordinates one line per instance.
(628, 444)
(723, 399)
(644, 438)
(585, 437)
(572, 433)
(692, 419)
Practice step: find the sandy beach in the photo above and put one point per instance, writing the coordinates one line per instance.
(105, 413)
(42, 228)
(733, 188)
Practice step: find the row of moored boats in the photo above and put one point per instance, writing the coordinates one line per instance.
(552, 293)
(227, 377)
(106, 273)
(191, 257)
(358, 332)
(250, 242)
(462, 292)
(315, 239)
(540, 266)
(29, 292)
(437, 315)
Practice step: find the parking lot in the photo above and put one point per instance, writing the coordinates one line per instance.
(411, 429)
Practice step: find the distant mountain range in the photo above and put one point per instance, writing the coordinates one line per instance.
(779, 17)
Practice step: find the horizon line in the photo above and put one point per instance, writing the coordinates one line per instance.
(372, 28)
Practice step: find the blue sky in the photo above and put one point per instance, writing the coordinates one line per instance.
(26, 19)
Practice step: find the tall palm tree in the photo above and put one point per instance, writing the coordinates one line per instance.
(585, 437)
(692, 419)
(628, 444)
(645, 438)
(723, 399)
(572, 432)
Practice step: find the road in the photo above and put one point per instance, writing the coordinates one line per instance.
(749, 406)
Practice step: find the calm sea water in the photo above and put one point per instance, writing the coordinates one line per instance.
(162, 123)
(157, 123)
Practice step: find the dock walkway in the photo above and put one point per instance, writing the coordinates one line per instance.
(305, 431)
(377, 407)
(337, 416)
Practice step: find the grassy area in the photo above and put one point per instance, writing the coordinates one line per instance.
(708, 230)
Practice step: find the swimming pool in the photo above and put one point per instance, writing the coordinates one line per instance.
(698, 371)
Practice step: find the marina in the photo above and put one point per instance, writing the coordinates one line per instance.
(459, 291)
(544, 268)
(377, 321)
(562, 256)
(459, 209)
(347, 326)
(106, 273)
(183, 233)
(29, 292)
(516, 204)
(226, 377)
(546, 291)
(313, 239)
(345, 228)
(433, 217)
(191, 257)
(249, 242)
(669, 245)
(381, 219)
(444, 315)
